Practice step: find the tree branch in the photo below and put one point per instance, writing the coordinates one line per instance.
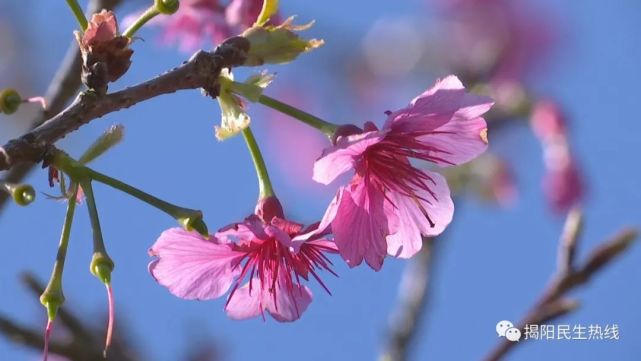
(201, 71)
(63, 86)
(409, 312)
(553, 302)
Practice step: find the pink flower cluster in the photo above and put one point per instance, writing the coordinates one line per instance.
(563, 184)
(502, 39)
(386, 209)
(198, 21)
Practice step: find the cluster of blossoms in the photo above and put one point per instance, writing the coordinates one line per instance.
(197, 21)
(394, 198)
(504, 40)
(386, 209)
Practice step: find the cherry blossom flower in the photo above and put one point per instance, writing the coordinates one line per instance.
(272, 253)
(390, 204)
(207, 21)
(563, 183)
(500, 39)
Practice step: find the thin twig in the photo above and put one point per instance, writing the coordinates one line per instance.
(62, 88)
(201, 71)
(553, 302)
(408, 314)
(82, 341)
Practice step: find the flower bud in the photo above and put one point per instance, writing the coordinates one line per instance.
(277, 44)
(10, 101)
(22, 194)
(106, 55)
(167, 7)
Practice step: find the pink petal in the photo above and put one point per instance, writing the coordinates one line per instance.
(192, 267)
(408, 223)
(278, 234)
(360, 225)
(243, 304)
(459, 140)
(315, 235)
(436, 105)
(288, 306)
(451, 119)
(342, 157)
(243, 233)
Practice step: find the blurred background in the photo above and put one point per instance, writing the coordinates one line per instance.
(497, 256)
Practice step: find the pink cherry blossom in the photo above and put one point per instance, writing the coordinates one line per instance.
(199, 22)
(273, 257)
(390, 204)
(563, 183)
(503, 39)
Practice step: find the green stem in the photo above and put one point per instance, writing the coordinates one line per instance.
(172, 210)
(64, 237)
(78, 13)
(324, 126)
(101, 264)
(52, 296)
(189, 218)
(142, 20)
(98, 242)
(265, 188)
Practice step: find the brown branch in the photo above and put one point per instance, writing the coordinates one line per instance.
(82, 342)
(553, 302)
(63, 86)
(201, 71)
(408, 314)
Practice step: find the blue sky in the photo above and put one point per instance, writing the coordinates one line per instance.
(492, 264)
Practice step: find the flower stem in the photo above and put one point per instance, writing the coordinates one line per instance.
(98, 243)
(324, 126)
(170, 209)
(265, 188)
(189, 218)
(52, 297)
(64, 237)
(142, 20)
(78, 13)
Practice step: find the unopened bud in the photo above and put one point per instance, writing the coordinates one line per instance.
(22, 194)
(167, 7)
(10, 101)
